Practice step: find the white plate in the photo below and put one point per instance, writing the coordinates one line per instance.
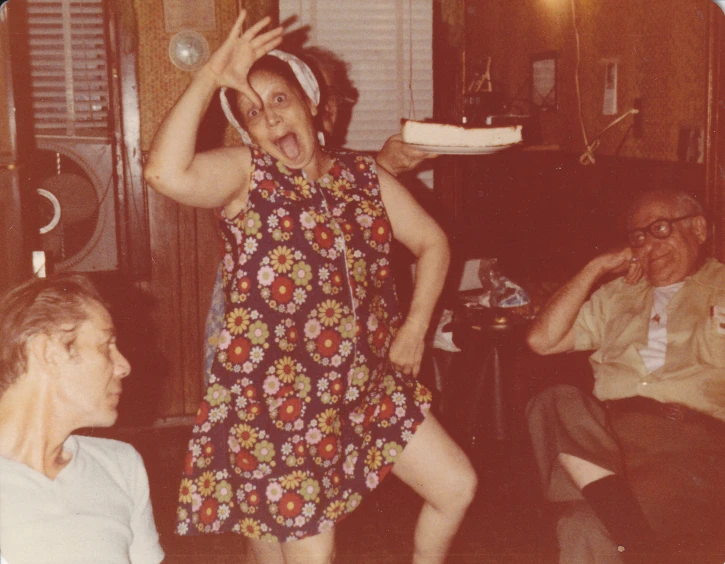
(452, 150)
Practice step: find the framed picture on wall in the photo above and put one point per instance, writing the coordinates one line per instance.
(544, 80)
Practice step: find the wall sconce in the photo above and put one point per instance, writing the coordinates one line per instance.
(188, 50)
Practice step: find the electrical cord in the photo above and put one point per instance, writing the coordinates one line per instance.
(587, 158)
(624, 138)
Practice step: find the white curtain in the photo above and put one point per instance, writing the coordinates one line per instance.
(388, 46)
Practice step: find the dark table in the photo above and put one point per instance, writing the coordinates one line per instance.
(476, 399)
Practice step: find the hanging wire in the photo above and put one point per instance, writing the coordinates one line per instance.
(587, 158)
(410, 59)
(624, 138)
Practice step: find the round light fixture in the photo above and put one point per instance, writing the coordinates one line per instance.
(188, 50)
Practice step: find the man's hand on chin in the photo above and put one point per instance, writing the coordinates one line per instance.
(621, 261)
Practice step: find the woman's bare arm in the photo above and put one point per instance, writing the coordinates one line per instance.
(218, 177)
(417, 231)
(209, 179)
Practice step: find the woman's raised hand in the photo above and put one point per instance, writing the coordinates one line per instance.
(231, 62)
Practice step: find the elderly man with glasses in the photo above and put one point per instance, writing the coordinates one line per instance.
(640, 466)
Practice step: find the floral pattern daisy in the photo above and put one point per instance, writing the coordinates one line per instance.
(302, 415)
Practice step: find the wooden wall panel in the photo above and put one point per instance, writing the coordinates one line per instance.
(189, 309)
(14, 266)
(449, 38)
(160, 82)
(7, 119)
(184, 244)
(662, 55)
(715, 143)
(165, 286)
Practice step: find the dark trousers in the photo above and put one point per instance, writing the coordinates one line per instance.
(675, 469)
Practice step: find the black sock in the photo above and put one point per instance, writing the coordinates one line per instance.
(618, 509)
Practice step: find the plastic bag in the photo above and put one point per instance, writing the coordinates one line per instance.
(443, 340)
(497, 289)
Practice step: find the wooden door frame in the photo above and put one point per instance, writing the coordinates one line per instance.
(15, 262)
(715, 129)
(134, 250)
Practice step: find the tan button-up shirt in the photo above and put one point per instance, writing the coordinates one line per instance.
(615, 321)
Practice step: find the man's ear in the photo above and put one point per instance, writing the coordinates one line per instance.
(699, 226)
(46, 351)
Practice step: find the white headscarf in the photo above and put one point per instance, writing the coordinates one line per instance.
(304, 76)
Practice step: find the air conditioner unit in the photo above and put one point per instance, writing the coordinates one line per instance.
(77, 206)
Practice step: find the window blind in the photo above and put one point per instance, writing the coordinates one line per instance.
(68, 68)
(388, 45)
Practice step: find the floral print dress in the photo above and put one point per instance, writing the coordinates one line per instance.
(303, 414)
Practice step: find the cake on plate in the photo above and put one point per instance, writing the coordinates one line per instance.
(445, 135)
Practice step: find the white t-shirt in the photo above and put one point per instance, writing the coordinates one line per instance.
(96, 511)
(653, 355)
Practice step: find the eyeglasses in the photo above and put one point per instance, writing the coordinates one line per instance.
(659, 229)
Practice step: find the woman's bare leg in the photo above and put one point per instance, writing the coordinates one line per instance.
(439, 471)
(249, 557)
(263, 552)
(311, 550)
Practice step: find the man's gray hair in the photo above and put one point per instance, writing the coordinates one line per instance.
(56, 305)
(685, 202)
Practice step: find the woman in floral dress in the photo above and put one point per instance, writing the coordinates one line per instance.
(313, 397)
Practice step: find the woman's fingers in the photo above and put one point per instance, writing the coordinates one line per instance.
(406, 356)
(219, 60)
(264, 43)
(271, 36)
(236, 30)
(246, 90)
(239, 52)
(409, 367)
(256, 28)
(248, 48)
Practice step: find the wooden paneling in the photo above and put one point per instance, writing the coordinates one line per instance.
(715, 140)
(134, 252)
(544, 215)
(185, 256)
(524, 206)
(662, 55)
(15, 263)
(184, 244)
(160, 82)
(448, 48)
(7, 120)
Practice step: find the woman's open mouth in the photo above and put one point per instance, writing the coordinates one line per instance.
(289, 146)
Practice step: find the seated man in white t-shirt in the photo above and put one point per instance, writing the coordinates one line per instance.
(66, 498)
